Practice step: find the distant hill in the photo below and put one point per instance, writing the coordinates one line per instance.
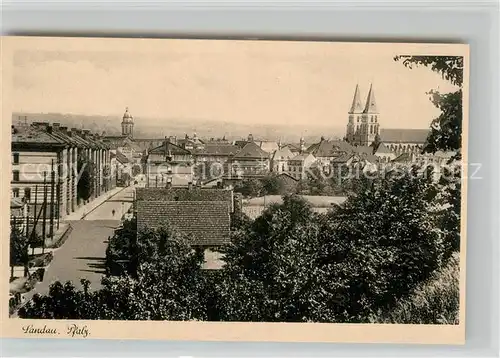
(179, 127)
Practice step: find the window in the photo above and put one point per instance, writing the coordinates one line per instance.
(27, 194)
(15, 192)
(15, 175)
(15, 158)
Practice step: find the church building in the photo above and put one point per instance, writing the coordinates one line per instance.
(364, 127)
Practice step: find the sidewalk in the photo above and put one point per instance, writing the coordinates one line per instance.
(84, 210)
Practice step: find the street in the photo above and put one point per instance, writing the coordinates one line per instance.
(83, 253)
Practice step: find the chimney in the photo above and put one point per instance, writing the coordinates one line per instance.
(56, 126)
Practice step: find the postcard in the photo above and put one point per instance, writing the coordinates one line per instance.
(234, 190)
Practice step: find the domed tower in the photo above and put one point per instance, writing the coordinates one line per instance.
(128, 124)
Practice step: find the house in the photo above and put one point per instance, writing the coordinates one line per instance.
(280, 158)
(383, 153)
(326, 150)
(298, 165)
(212, 160)
(250, 161)
(122, 170)
(202, 215)
(168, 165)
(363, 161)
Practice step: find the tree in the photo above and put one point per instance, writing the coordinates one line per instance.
(249, 187)
(86, 182)
(446, 135)
(378, 246)
(122, 250)
(273, 185)
(168, 285)
(270, 273)
(18, 249)
(446, 130)
(376, 142)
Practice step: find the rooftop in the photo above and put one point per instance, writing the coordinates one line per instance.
(395, 135)
(205, 223)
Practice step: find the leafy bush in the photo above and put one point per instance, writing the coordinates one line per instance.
(87, 172)
(436, 301)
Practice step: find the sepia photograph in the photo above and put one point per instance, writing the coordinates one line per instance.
(234, 181)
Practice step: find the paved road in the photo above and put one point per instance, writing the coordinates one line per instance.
(83, 253)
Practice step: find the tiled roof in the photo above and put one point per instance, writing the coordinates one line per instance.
(183, 194)
(206, 223)
(302, 157)
(251, 150)
(283, 153)
(343, 158)
(34, 135)
(327, 148)
(363, 149)
(405, 157)
(121, 158)
(218, 149)
(393, 135)
(361, 156)
(382, 148)
(241, 143)
(169, 148)
(288, 177)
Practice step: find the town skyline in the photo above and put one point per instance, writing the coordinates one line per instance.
(286, 83)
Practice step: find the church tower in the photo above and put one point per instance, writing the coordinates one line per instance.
(355, 114)
(369, 120)
(127, 124)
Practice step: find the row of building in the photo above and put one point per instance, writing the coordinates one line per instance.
(47, 162)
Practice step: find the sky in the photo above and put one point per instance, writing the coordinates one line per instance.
(286, 83)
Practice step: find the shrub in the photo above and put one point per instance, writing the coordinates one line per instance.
(433, 302)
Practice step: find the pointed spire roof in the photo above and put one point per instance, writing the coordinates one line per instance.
(356, 106)
(371, 104)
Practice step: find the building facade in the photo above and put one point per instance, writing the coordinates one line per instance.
(45, 158)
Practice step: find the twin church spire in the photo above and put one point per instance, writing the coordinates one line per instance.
(363, 125)
(370, 104)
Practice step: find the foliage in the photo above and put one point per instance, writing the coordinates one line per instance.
(446, 130)
(446, 135)
(122, 250)
(270, 272)
(449, 67)
(63, 302)
(18, 248)
(86, 182)
(136, 170)
(376, 142)
(380, 244)
(436, 301)
(249, 187)
(168, 285)
(273, 185)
